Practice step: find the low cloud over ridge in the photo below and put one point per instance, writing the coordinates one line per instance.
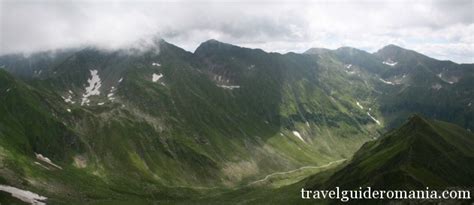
(441, 29)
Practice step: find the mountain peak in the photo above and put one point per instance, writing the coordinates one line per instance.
(213, 44)
(417, 124)
(351, 51)
(391, 50)
(317, 51)
(392, 46)
(212, 40)
(417, 119)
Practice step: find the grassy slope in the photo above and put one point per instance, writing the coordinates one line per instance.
(189, 132)
(421, 153)
(185, 133)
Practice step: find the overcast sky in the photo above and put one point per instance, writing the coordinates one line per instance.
(441, 29)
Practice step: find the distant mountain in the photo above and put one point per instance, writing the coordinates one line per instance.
(404, 82)
(318, 51)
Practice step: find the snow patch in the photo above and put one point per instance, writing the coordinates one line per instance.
(93, 88)
(101, 103)
(37, 72)
(358, 104)
(156, 77)
(42, 166)
(387, 82)
(26, 196)
(373, 118)
(348, 66)
(68, 110)
(230, 87)
(47, 160)
(452, 80)
(156, 64)
(390, 62)
(297, 134)
(68, 99)
(110, 95)
(120, 80)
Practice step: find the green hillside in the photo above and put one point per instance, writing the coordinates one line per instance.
(169, 125)
(421, 153)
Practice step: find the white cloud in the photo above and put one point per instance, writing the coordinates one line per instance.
(442, 29)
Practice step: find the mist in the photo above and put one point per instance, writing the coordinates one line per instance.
(441, 29)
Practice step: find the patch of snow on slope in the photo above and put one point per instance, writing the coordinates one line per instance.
(120, 80)
(348, 66)
(93, 88)
(390, 62)
(386, 82)
(358, 104)
(42, 166)
(68, 110)
(156, 77)
(68, 99)
(452, 80)
(26, 196)
(297, 134)
(156, 64)
(110, 95)
(230, 87)
(47, 160)
(101, 103)
(373, 118)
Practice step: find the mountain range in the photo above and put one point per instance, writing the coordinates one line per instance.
(166, 125)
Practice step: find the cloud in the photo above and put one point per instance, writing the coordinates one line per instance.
(442, 29)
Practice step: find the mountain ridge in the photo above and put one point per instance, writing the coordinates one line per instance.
(410, 166)
(223, 116)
